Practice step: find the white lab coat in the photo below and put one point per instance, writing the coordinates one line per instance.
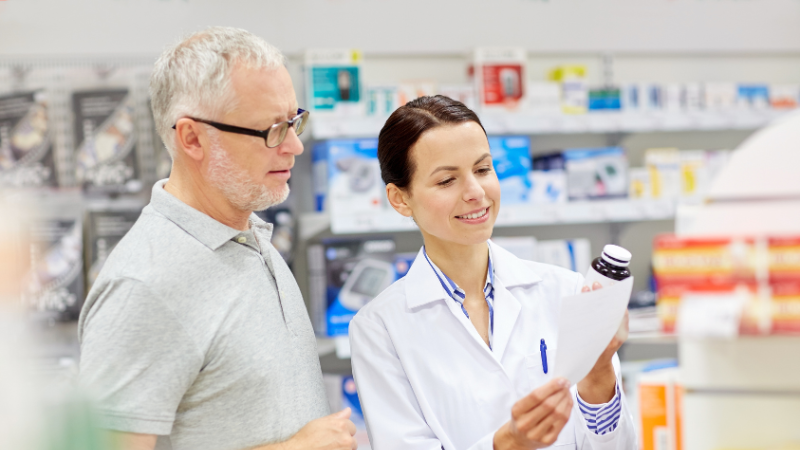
(428, 381)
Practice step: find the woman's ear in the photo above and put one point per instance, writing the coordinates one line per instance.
(398, 198)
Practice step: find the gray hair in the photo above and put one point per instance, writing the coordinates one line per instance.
(193, 76)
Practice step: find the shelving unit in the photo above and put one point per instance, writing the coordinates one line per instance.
(595, 211)
(331, 127)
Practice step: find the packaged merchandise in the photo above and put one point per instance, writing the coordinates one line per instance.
(763, 272)
(414, 89)
(572, 254)
(596, 173)
(548, 186)
(382, 100)
(720, 96)
(523, 247)
(664, 167)
(345, 274)
(639, 183)
(106, 227)
(319, 175)
(784, 96)
(632, 97)
(548, 179)
(752, 96)
(354, 177)
(500, 76)
(605, 99)
(333, 81)
(693, 97)
(283, 223)
(27, 157)
(661, 409)
(54, 285)
(543, 97)
(673, 97)
(694, 177)
(464, 93)
(574, 91)
(512, 163)
(163, 160)
(105, 136)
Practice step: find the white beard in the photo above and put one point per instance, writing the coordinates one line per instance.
(236, 185)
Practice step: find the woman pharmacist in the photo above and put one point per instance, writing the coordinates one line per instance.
(451, 356)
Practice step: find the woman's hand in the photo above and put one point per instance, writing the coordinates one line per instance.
(537, 418)
(599, 386)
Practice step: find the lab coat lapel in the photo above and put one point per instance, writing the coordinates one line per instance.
(506, 312)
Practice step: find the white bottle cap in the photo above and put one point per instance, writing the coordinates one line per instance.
(616, 255)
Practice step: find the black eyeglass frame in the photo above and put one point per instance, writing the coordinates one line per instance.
(302, 116)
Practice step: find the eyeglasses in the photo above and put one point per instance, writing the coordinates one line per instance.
(273, 136)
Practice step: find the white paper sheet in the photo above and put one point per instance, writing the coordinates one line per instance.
(586, 325)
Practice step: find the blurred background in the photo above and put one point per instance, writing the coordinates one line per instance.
(668, 127)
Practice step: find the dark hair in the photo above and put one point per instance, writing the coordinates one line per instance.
(406, 125)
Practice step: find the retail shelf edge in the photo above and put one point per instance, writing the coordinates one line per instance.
(326, 126)
(594, 211)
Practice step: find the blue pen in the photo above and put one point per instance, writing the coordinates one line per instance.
(543, 349)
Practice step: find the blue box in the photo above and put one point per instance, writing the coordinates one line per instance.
(511, 156)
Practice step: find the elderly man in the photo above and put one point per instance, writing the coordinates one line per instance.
(195, 335)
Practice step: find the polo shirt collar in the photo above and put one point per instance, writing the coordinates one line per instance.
(202, 227)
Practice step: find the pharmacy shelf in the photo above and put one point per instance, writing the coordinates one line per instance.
(386, 221)
(330, 127)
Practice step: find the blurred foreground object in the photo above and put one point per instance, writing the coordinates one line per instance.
(35, 413)
(734, 268)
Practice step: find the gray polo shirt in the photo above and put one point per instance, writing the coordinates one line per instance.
(197, 332)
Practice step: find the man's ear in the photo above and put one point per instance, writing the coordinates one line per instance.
(398, 198)
(187, 138)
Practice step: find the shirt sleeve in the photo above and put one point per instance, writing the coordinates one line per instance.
(137, 360)
(603, 418)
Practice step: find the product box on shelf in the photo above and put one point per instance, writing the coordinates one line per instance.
(664, 166)
(596, 173)
(333, 81)
(548, 179)
(661, 410)
(382, 99)
(106, 227)
(574, 91)
(54, 285)
(762, 275)
(500, 76)
(607, 98)
(523, 247)
(413, 89)
(543, 97)
(464, 93)
(639, 183)
(354, 177)
(784, 96)
(319, 175)
(720, 96)
(572, 254)
(345, 274)
(512, 163)
(27, 157)
(753, 96)
(106, 159)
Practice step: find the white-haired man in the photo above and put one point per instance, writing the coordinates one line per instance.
(194, 335)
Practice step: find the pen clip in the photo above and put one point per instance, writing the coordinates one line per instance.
(543, 350)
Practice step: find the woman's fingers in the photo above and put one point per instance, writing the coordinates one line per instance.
(548, 428)
(537, 396)
(533, 419)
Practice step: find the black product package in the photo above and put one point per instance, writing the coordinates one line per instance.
(105, 230)
(105, 136)
(54, 284)
(26, 147)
